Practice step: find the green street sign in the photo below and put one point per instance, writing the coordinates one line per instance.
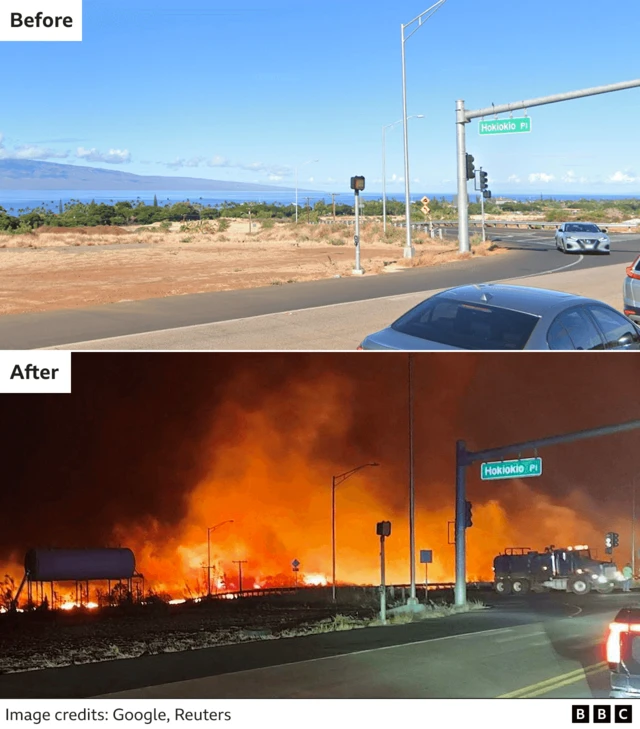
(520, 468)
(505, 126)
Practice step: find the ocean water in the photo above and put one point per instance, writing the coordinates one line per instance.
(23, 200)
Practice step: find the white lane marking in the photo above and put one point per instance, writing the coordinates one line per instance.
(461, 636)
(520, 637)
(573, 615)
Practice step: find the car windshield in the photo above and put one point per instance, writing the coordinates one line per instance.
(467, 325)
(582, 228)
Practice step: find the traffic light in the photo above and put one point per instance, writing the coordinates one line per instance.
(486, 194)
(383, 528)
(471, 170)
(616, 539)
(357, 183)
(468, 515)
(608, 543)
(484, 180)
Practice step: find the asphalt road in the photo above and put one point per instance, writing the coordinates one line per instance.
(548, 646)
(532, 253)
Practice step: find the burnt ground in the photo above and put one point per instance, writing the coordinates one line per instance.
(37, 640)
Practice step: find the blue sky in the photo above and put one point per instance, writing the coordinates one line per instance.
(247, 90)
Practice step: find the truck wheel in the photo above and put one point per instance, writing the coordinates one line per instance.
(502, 587)
(579, 586)
(605, 589)
(520, 587)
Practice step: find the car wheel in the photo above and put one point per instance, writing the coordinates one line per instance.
(605, 589)
(520, 587)
(502, 587)
(579, 586)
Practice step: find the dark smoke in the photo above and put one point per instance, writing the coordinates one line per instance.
(134, 438)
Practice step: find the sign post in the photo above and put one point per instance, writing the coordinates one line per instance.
(383, 530)
(357, 185)
(426, 558)
(295, 566)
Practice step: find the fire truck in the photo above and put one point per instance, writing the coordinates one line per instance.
(570, 569)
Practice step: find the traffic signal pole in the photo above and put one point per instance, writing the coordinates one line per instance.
(465, 458)
(464, 117)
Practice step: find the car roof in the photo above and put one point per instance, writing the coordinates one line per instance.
(517, 298)
(579, 222)
(628, 615)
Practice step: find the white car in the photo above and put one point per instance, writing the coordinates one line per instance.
(582, 238)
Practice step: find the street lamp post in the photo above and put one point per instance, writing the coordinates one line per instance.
(420, 19)
(310, 162)
(335, 482)
(413, 600)
(384, 167)
(209, 530)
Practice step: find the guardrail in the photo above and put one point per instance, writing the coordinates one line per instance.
(374, 589)
(528, 224)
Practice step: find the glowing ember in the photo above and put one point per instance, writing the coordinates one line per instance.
(315, 580)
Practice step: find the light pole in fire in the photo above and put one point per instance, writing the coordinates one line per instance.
(335, 482)
(209, 530)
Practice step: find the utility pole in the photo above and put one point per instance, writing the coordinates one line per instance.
(633, 529)
(308, 209)
(413, 600)
(333, 205)
(240, 562)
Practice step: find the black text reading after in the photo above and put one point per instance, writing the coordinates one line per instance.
(31, 372)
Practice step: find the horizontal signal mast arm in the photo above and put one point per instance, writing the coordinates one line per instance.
(469, 457)
(542, 100)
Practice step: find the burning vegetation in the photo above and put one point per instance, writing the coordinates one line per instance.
(202, 464)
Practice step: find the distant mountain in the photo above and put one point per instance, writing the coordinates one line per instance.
(17, 174)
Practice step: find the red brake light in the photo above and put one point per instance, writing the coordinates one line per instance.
(631, 273)
(613, 641)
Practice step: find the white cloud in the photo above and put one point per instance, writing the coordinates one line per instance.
(514, 178)
(33, 151)
(541, 177)
(622, 177)
(275, 178)
(29, 151)
(331, 180)
(113, 156)
(183, 162)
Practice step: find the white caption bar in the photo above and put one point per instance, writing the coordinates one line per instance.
(41, 20)
(312, 713)
(35, 372)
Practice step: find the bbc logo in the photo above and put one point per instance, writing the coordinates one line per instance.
(582, 714)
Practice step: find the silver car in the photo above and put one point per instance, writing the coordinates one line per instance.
(582, 238)
(631, 291)
(501, 317)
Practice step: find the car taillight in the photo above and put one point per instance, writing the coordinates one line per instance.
(629, 312)
(631, 272)
(613, 641)
(360, 349)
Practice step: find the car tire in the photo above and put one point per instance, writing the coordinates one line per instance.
(520, 587)
(502, 587)
(579, 586)
(605, 589)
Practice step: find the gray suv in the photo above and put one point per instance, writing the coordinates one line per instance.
(582, 238)
(631, 291)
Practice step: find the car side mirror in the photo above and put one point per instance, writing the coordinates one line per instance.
(626, 339)
(603, 230)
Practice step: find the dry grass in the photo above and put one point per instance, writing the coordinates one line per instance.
(107, 265)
